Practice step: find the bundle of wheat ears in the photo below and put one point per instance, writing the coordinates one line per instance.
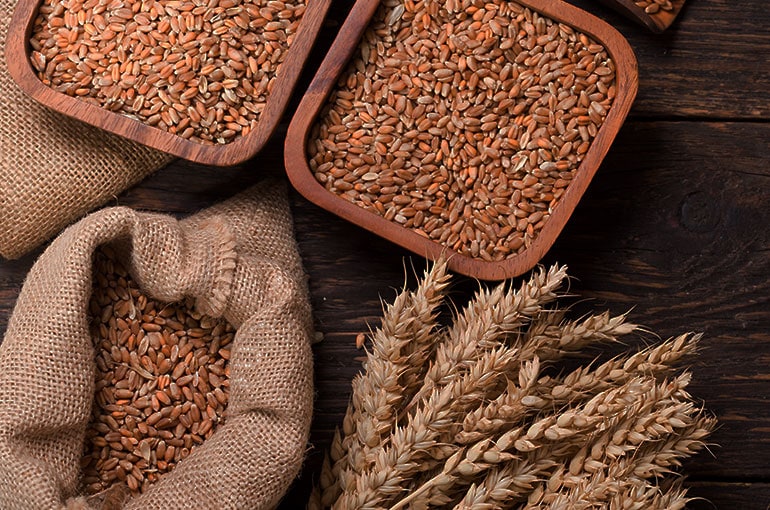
(480, 415)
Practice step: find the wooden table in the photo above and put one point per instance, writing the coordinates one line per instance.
(674, 227)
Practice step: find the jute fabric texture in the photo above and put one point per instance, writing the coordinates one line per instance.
(54, 169)
(237, 260)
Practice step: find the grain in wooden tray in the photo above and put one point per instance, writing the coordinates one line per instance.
(654, 6)
(464, 121)
(202, 69)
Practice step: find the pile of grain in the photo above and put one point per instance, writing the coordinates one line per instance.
(161, 384)
(654, 6)
(464, 121)
(483, 414)
(202, 69)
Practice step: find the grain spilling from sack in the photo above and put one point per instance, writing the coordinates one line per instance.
(464, 121)
(202, 70)
(161, 381)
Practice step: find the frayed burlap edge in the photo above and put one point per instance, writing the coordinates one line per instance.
(54, 169)
(238, 258)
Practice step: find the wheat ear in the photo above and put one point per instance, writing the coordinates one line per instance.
(393, 366)
(531, 397)
(487, 320)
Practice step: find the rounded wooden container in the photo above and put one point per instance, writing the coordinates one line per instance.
(335, 62)
(657, 22)
(237, 151)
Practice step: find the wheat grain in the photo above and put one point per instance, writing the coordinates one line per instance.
(161, 381)
(653, 7)
(464, 122)
(201, 70)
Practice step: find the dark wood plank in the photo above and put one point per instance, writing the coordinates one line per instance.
(673, 227)
(673, 235)
(677, 238)
(12, 274)
(714, 61)
(713, 495)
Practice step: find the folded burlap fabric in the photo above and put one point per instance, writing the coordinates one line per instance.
(54, 169)
(237, 260)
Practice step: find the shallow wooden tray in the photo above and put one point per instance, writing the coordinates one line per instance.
(335, 62)
(237, 151)
(657, 22)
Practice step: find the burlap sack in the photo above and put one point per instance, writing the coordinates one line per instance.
(54, 169)
(237, 260)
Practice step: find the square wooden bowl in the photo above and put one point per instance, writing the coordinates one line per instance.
(657, 21)
(345, 44)
(18, 53)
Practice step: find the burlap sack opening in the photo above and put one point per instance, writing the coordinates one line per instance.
(239, 261)
(54, 169)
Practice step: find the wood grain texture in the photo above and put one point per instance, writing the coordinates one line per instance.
(720, 495)
(714, 61)
(673, 227)
(676, 238)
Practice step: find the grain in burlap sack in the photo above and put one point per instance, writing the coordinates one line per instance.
(238, 260)
(54, 169)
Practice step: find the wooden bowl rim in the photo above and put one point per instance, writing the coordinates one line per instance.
(237, 151)
(657, 23)
(334, 63)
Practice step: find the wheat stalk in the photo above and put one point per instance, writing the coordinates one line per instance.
(625, 479)
(472, 417)
(632, 405)
(518, 402)
(392, 368)
(419, 440)
(489, 318)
